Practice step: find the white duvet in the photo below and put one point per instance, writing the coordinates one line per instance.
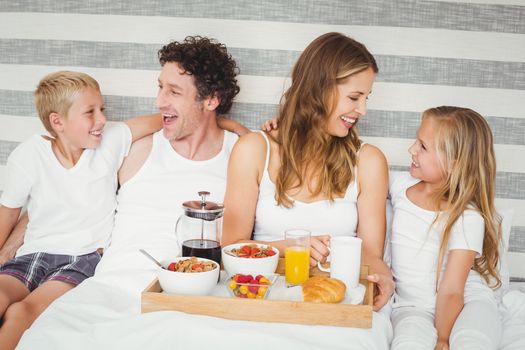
(104, 313)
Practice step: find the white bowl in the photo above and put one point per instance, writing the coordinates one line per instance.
(234, 264)
(188, 283)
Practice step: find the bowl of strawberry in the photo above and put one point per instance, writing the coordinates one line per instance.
(249, 258)
(247, 286)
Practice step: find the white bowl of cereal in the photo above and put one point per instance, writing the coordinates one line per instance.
(188, 276)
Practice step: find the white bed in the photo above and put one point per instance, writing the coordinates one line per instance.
(104, 313)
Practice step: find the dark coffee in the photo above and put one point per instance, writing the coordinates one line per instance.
(202, 248)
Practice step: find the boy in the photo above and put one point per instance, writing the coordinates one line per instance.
(69, 183)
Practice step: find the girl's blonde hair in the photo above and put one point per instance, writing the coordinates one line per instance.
(304, 145)
(465, 146)
(57, 91)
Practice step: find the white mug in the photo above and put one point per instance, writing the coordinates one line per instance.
(345, 260)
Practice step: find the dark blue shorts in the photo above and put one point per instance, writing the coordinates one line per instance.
(37, 268)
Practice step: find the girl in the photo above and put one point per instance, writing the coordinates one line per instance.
(445, 236)
(314, 172)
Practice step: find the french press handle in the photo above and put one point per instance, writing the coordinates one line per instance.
(203, 195)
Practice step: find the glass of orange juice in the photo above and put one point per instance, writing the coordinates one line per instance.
(297, 256)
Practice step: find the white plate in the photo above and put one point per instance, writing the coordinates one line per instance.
(354, 296)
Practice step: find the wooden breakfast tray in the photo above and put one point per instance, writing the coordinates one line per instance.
(285, 311)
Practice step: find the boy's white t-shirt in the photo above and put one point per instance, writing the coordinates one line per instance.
(71, 211)
(415, 248)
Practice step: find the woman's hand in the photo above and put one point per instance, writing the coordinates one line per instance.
(319, 249)
(385, 289)
(269, 125)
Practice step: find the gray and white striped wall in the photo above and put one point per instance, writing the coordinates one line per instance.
(466, 53)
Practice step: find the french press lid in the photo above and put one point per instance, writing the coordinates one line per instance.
(203, 209)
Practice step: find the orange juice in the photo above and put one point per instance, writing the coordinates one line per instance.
(296, 264)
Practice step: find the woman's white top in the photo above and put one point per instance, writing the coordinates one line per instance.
(336, 218)
(415, 247)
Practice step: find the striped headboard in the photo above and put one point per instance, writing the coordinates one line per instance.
(429, 53)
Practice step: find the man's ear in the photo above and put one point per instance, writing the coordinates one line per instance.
(212, 102)
(56, 121)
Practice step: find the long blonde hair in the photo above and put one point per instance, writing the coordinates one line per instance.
(304, 146)
(464, 142)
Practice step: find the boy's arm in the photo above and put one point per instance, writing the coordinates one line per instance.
(232, 126)
(449, 302)
(15, 240)
(144, 125)
(8, 219)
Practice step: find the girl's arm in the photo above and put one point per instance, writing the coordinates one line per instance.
(371, 207)
(232, 126)
(8, 219)
(15, 240)
(144, 125)
(449, 302)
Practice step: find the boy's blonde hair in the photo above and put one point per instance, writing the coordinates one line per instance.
(464, 143)
(57, 91)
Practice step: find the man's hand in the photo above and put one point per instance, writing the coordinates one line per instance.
(385, 289)
(232, 126)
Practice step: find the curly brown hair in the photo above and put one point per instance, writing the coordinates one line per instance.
(212, 67)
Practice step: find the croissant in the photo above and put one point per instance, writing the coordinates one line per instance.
(321, 289)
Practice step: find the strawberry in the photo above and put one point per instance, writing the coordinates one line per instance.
(258, 277)
(244, 278)
(198, 266)
(246, 249)
(172, 266)
(270, 252)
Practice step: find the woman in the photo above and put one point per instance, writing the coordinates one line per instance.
(314, 172)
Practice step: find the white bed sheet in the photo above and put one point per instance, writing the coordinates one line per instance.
(104, 313)
(512, 310)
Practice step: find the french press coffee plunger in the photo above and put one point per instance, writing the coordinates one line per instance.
(200, 228)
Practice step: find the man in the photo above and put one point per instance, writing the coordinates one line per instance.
(197, 82)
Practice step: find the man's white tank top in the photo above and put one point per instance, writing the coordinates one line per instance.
(336, 218)
(150, 203)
